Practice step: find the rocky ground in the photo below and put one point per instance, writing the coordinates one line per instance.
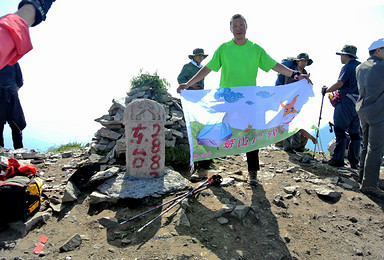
(301, 209)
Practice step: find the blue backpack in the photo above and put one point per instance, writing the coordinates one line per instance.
(288, 62)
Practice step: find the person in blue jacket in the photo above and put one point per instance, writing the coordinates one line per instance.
(11, 80)
(345, 117)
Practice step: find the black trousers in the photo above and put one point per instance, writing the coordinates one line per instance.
(253, 160)
(17, 136)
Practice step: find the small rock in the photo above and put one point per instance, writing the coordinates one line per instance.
(224, 209)
(222, 220)
(182, 219)
(108, 222)
(293, 169)
(71, 244)
(126, 241)
(71, 192)
(290, 189)
(358, 252)
(240, 211)
(279, 201)
(322, 229)
(227, 182)
(330, 194)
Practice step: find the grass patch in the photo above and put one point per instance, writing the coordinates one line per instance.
(66, 147)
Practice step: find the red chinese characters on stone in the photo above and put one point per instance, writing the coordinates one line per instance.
(140, 155)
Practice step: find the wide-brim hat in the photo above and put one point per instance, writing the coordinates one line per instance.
(198, 51)
(348, 50)
(303, 56)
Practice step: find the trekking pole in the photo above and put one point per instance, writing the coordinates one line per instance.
(319, 144)
(213, 180)
(321, 111)
(158, 206)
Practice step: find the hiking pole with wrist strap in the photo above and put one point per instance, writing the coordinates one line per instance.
(323, 91)
(214, 180)
(161, 205)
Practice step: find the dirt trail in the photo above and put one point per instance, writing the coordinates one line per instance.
(283, 218)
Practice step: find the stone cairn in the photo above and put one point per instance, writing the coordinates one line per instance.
(110, 139)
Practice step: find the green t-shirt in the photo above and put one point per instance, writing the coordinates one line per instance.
(240, 63)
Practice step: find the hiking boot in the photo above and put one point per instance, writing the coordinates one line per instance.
(335, 163)
(373, 191)
(252, 178)
(199, 175)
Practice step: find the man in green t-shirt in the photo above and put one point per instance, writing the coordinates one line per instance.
(239, 60)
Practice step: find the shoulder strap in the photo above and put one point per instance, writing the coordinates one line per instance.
(352, 97)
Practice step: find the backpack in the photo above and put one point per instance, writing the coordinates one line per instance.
(20, 192)
(288, 62)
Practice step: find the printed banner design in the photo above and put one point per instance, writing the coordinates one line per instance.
(229, 121)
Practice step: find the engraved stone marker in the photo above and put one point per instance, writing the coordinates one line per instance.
(144, 121)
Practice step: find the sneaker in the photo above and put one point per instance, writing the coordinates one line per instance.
(199, 175)
(252, 178)
(373, 191)
(335, 163)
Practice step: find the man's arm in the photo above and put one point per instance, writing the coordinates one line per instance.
(185, 75)
(15, 40)
(333, 88)
(41, 9)
(308, 136)
(27, 13)
(202, 73)
(282, 69)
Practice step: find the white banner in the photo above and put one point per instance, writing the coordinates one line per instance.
(228, 121)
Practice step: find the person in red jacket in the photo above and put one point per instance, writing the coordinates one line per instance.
(15, 40)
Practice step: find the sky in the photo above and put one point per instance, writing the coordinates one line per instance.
(87, 51)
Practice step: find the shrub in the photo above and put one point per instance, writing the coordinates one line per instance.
(147, 80)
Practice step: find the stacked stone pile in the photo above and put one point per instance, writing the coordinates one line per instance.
(110, 139)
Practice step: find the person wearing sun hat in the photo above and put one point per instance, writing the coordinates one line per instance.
(304, 56)
(345, 118)
(370, 108)
(300, 62)
(298, 141)
(190, 69)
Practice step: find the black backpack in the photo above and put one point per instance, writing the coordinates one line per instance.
(20, 192)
